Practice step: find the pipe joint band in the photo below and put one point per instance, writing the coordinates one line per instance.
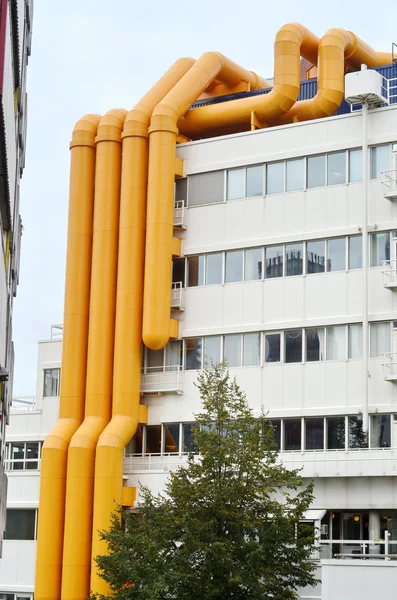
(108, 137)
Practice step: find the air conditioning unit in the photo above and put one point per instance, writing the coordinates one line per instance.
(366, 87)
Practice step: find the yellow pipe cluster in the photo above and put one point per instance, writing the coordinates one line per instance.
(118, 284)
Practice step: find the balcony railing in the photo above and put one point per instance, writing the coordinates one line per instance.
(389, 273)
(23, 404)
(159, 380)
(384, 549)
(179, 214)
(390, 184)
(390, 366)
(177, 296)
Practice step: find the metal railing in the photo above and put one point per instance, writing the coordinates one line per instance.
(179, 214)
(392, 90)
(389, 365)
(156, 380)
(389, 183)
(177, 299)
(23, 404)
(56, 332)
(360, 549)
(389, 271)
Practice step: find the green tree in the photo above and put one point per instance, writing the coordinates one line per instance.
(228, 524)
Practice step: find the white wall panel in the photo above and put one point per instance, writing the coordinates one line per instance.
(357, 580)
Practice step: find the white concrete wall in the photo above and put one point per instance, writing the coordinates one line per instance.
(358, 580)
(17, 566)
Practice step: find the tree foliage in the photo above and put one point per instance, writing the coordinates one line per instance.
(226, 527)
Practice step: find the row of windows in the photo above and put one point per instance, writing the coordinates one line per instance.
(297, 174)
(21, 524)
(170, 438)
(23, 456)
(15, 596)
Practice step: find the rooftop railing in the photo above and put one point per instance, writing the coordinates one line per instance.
(389, 183)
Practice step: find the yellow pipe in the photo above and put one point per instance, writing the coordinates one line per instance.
(128, 330)
(74, 358)
(292, 41)
(81, 455)
(338, 48)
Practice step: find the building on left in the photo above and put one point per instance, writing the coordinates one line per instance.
(15, 45)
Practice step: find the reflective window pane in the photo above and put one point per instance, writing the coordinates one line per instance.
(173, 355)
(234, 266)
(272, 347)
(380, 161)
(355, 165)
(213, 269)
(193, 353)
(355, 252)
(336, 254)
(235, 184)
(293, 345)
(232, 350)
(274, 261)
(355, 341)
(32, 455)
(253, 264)
(251, 349)
(314, 344)
(292, 434)
(380, 248)
(315, 256)
(20, 524)
(336, 168)
(316, 171)
(254, 181)
(212, 350)
(51, 383)
(336, 433)
(336, 342)
(181, 190)
(380, 431)
(206, 188)
(195, 266)
(153, 439)
(171, 438)
(357, 437)
(314, 433)
(188, 436)
(276, 426)
(154, 361)
(275, 178)
(295, 174)
(379, 338)
(294, 259)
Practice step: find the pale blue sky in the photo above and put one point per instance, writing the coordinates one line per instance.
(93, 55)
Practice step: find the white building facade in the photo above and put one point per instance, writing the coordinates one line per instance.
(272, 280)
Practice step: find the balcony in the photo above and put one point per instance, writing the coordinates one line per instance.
(389, 274)
(162, 380)
(177, 296)
(179, 214)
(389, 365)
(389, 184)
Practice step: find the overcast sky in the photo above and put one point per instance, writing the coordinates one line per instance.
(93, 55)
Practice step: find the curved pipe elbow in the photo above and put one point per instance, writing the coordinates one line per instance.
(119, 431)
(85, 130)
(111, 126)
(61, 434)
(86, 437)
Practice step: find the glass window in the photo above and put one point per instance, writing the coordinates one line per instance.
(193, 353)
(314, 344)
(195, 265)
(213, 269)
(276, 426)
(254, 181)
(154, 360)
(181, 190)
(380, 160)
(357, 437)
(379, 338)
(274, 261)
(355, 341)
(188, 436)
(20, 524)
(17, 455)
(173, 356)
(232, 350)
(314, 433)
(380, 431)
(355, 165)
(336, 433)
(275, 178)
(51, 383)
(236, 184)
(294, 259)
(336, 254)
(212, 350)
(292, 434)
(234, 266)
(295, 174)
(206, 188)
(336, 168)
(272, 347)
(336, 342)
(253, 264)
(380, 248)
(171, 438)
(135, 445)
(316, 171)
(153, 439)
(32, 455)
(355, 252)
(178, 271)
(315, 256)
(251, 349)
(293, 345)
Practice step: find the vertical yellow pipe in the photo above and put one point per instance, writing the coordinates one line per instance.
(128, 330)
(81, 455)
(74, 359)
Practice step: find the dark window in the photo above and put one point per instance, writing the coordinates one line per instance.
(171, 438)
(206, 188)
(315, 256)
(314, 434)
(195, 270)
(20, 524)
(153, 439)
(293, 346)
(193, 353)
(274, 261)
(380, 431)
(178, 271)
(336, 433)
(294, 259)
(357, 437)
(315, 344)
(272, 347)
(181, 190)
(276, 425)
(188, 436)
(292, 434)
